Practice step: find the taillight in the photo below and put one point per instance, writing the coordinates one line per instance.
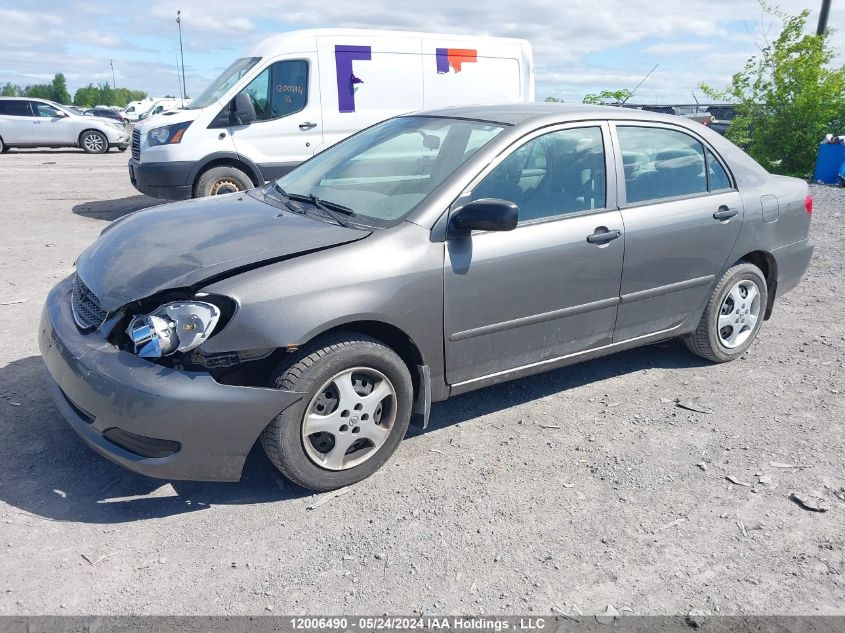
(808, 205)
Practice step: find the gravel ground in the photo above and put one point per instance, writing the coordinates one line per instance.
(586, 486)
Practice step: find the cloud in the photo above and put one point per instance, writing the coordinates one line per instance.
(579, 46)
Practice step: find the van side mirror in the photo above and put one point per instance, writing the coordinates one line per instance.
(243, 110)
(487, 214)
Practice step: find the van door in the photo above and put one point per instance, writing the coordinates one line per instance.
(366, 79)
(288, 126)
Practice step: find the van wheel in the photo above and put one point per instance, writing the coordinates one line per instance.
(94, 142)
(220, 180)
(733, 315)
(355, 411)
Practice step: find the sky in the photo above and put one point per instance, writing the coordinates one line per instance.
(580, 46)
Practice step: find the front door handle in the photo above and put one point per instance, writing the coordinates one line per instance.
(307, 125)
(725, 213)
(603, 235)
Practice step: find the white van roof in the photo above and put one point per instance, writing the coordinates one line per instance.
(305, 40)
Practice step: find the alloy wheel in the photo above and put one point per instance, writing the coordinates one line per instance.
(739, 314)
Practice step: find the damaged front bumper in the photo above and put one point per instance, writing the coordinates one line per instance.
(150, 419)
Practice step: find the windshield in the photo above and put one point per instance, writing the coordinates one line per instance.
(223, 83)
(385, 171)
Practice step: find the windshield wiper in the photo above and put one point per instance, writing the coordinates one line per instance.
(278, 188)
(331, 209)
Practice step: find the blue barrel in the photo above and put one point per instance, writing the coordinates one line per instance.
(829, 163)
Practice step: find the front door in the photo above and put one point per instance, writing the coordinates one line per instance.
(682, 216)
(543, 290)
(288, 126)
(51, 126)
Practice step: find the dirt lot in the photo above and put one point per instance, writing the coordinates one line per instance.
(586, 486)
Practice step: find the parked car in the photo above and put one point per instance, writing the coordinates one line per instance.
(134, 109)
(26, 122)
(159, 106)
(427, 256)
(722, 117)
(295, 94)
(107, 113)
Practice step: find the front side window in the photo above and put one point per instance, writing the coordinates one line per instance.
(383, 172)
(661, 163)
(15, 108)
(44, 110)
(557, 173)
(279, 90)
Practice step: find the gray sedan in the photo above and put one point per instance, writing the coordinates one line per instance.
(427, 256)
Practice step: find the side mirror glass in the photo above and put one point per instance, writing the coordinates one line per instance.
(242, 110)
(487, 214)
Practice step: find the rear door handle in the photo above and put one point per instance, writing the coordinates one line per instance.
(307, 125)
(725, 213)
(603, 236)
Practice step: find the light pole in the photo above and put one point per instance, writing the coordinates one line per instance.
(823, 15)
(182, 55)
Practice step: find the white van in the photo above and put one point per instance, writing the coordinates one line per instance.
(134, 109)
(297, 93)
(161, 105)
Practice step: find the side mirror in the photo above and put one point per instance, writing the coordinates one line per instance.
(59, 115)
(487, 214)
(243, 110)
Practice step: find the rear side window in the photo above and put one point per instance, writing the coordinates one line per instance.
(717, 175)
(15, 108)
(279, 90)
(551, 175)
(661, 163)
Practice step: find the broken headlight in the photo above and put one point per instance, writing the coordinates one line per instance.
(179, 326)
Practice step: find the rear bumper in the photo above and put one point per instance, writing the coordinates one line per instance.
(792, 262)
(170, 181)
(204, 430)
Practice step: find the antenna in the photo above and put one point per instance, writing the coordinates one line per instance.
(182, 54)
(639, 84)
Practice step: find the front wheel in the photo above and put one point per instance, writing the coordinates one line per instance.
(3, 147)
(354, 415)
(219, 180)
(733, 316)
(94, 142)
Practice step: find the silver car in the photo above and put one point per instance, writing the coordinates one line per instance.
(427, 256)
(26, 122)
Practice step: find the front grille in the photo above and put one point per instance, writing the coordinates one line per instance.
(136, 144)
(86, 306)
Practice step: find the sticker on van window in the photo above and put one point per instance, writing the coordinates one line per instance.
(346, 79)
(454, 58)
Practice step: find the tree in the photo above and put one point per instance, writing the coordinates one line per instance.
(608, 97)
(553, 100)
(60, 93)
(39, 91)
(10, 90)
(788, 97)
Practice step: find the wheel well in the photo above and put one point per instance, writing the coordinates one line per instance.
(767, 264)
(391, 335)
(228, 162)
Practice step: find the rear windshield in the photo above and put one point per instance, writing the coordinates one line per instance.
(385, 171)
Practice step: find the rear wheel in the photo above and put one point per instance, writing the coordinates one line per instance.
(94, 142)
(220, 180)
(733, 316)
(355, 412)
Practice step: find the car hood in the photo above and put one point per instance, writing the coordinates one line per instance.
(166, 118)
(186, 243)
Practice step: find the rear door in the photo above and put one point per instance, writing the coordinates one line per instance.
(682, 215)
(543, 290)
(288, 126)
(52, 126)
(16, 123)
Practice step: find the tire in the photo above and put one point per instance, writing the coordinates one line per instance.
(220, 180)
(345, 454)
(3, 147)
(731, 320)
(94, 142)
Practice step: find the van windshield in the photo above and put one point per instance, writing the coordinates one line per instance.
(224, 82)
(383, 172)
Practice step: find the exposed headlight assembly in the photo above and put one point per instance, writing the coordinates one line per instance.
(179, 326)
(167, 135)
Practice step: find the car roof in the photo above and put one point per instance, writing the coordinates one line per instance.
(538, 113)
